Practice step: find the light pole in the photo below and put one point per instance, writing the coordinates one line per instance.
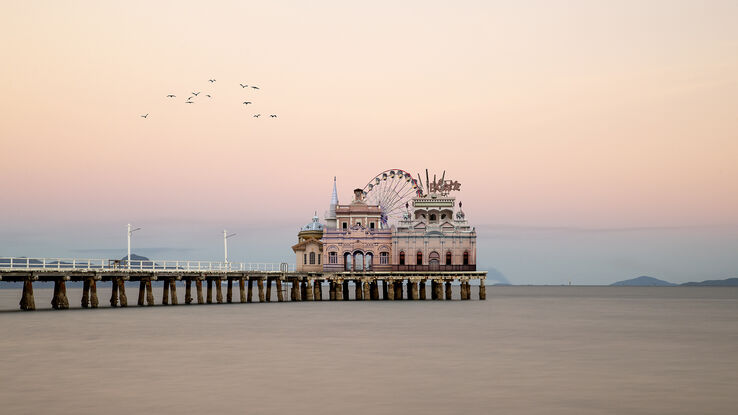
(225, 245)
(128, 258)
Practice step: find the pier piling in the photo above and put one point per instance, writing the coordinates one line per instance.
(141, 292)
(149, 293)
(85, 302)
(448, 290)
(250, 290)
(114, 292)
(218, 290)
(188, 290)
(27, 302)
(269, 289)
(173, 291)
(280, 294)
(229, 291)
(482, 290)
(165, 292)
(242, 289)
(198, 288)
(260, 284)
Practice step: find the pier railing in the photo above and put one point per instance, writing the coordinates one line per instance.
(88, 264)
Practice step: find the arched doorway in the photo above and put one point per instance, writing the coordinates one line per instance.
(434, 261)
(347, 261)
(369, 261)
(358, 261)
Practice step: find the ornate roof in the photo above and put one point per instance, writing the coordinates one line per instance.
(315, 225)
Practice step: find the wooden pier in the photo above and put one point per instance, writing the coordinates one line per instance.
(367, 286)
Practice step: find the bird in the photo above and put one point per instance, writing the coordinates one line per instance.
(171, 96)
(273, 115)
(145, 116)
(246, 102)
(195, 93)
(255, 115)
(211, 80)
(189, 102)
(243, 86)
(190, 98)
(255, 87)
(208, 96)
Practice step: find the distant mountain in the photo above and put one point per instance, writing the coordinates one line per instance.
(644, 281)
(728, 282)
(135, 257)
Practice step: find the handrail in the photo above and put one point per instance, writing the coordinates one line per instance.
(88, 264)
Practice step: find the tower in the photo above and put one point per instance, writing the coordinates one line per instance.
(330, 216)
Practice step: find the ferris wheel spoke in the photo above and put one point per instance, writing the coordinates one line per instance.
(395, 195)
(401, 198)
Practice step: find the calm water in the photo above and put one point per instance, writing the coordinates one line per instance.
(526, 350)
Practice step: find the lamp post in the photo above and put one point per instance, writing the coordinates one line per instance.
(225, 245)
(128, 258)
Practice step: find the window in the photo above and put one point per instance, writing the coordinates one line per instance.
(402, 258)
(466, 257)
(433, 217)
(419, 259)
(304, 258)
(312, 258)
(384, 258)
(358, 223)
(344, 225)
(371, 225)
(319, 259)
(443, 216)
(333, 257)
(448, 258)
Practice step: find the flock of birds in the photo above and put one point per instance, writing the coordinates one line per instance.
(194, 95)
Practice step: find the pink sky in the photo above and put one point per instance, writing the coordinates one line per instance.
(552, 114)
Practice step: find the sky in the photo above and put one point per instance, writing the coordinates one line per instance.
(595, 140)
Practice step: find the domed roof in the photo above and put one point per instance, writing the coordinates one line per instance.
(315, 225)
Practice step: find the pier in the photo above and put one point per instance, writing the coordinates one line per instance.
(210, 277)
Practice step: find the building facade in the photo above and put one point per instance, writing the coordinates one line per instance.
(433, 235)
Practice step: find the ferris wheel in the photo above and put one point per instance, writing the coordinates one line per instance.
(391, 190)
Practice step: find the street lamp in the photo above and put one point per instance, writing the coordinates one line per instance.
(130, 231)
(225, 244)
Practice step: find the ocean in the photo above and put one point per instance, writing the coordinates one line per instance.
(526, 350)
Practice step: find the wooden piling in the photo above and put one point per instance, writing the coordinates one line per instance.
(27, 302)
(482, 290)
(398, 290)
(346, 290)
(448, 290)
(260, 284)
(339, 291)
(433, 289)
(209, 293)
(85, 293)
(188, 290)
(390, 289)
(439, 290)
(114, 293)
(165, 292)
(250, 290)
(122, 292)
(269, 289)
(229, 291)
(295, 290)
(303, 291)
(309, 289)
(367, 290)
(331, 291)
(412, 289)
(385, 292)
(242, 289)
(421, 289)
(149, 293)
(218, 290)
(280, 294)
(173, 291)
(198, 288)
(141, 292)
(318, 290)
(359, 287)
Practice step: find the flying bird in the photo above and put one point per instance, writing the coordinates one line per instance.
(208, 96)
(243, 86)
(145, 116)
(211, 80)
(255, 87)
(255, 115)
(190, 98)
(189, 102)
(273, 115)
(246, 102)
(171, 96)
(195, 93)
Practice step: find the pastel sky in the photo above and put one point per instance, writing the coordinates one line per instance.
(594, 140)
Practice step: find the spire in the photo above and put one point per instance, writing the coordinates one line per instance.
(334, 197)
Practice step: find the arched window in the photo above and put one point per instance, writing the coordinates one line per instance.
(448, 258)
(384, 258)
(333, 257)
(402, 258)
(304, 258)
(432, 217)
(419, 259)
(312, 258)
(466, 257)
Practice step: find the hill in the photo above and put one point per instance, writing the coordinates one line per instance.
(728, 282)
(643, 281)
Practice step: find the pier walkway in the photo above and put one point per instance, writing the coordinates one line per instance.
(300, 286)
